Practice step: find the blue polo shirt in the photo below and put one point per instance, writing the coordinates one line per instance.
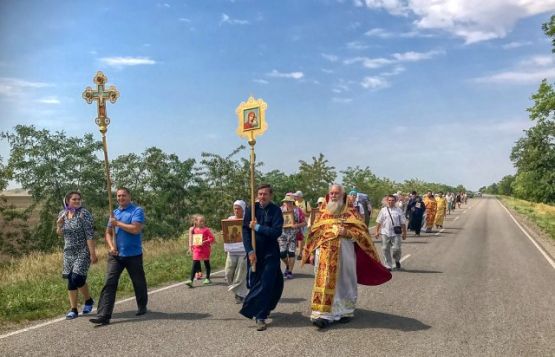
(129, 245)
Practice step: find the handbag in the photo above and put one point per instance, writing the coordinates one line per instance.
(396, 229)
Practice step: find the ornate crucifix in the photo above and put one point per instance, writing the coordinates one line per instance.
(100, 95)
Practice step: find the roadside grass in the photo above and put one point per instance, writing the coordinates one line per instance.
(541, 214)
(32, 287)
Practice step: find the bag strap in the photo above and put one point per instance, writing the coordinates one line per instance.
(390, 216)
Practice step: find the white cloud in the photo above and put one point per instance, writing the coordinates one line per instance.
(260, 81)
(127, 61)
(184, 19)
(515, 44)
(49, 100)
(472, 20)
(528, 71)
(342, 100)
(293, 75)
(374, 83)
(331, 58)
(356, 45)
(410, 56)
(395, 71)
(378, 32)
(328, 71)
(226, 19)
(10, 87)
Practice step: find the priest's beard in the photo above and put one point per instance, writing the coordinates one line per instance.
(335, 207)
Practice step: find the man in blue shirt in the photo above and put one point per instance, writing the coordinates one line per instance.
(126, 252)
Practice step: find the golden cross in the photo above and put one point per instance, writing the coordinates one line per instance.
(101, 95)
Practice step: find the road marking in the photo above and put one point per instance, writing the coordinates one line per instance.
(442, 229)
(404, 258)
(456, 218)
(547, 257)
(50, 322)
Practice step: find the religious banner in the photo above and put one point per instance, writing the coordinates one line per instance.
(288, 220)
(251, 116)
(232, 230)
(197, 239)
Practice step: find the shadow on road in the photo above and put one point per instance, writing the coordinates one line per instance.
(373, 319)
(363, 319)
(291, 300)
(129, 316)
(417, 271)
(302, 276)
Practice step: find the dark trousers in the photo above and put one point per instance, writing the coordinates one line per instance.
(134, 266)
(196, 268)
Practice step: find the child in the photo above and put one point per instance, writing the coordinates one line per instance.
(202, 251)
(198, 275)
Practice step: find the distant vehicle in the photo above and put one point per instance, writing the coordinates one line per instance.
(470, 194)
(478, 194)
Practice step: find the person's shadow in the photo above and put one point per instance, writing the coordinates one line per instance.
(129, 316)
(363, 319)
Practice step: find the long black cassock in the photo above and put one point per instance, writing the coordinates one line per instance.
(266, 284)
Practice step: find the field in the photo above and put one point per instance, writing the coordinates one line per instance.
(32, 288)
(541, 214)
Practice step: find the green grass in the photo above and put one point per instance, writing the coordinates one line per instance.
(32, 288)
(541, 214)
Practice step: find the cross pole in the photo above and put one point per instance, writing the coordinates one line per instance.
(101, 95)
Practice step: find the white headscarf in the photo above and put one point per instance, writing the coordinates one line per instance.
(241, 204)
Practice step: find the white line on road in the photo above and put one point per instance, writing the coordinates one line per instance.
(547, 257)
(441, 230)
(404, 258)
(50, 322)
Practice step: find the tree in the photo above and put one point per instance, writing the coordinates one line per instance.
(48, 166)
(534, 154)
(504, 187)
(549, 29)
(315, 178)
(363, 180)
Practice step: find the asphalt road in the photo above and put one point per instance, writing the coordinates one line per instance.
(478, 288)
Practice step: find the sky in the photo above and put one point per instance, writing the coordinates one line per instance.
(428, 89)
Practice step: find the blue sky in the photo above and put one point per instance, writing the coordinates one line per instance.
(436, 90)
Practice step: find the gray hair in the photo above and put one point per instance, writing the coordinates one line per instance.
(337, 185)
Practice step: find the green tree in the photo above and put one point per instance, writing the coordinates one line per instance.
(534, 154)
(549, 29)
(504, 187)
(314, 178)
(364, 180)
(48, 166)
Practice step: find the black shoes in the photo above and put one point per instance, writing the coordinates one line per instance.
(141, 311)
(398, 265)
(321, 323)
(100, 321)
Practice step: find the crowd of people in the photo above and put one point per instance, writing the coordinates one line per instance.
(335, 237)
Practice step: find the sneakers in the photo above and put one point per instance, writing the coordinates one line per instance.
(260, 325)
(398, 265)
(289, 275)
(206, 281)
(87, 308)
(100, 321)
(141, 311)
(71, 315)
(189, 283)
(285, 273)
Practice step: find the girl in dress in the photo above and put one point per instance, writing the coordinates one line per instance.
(200, 246)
